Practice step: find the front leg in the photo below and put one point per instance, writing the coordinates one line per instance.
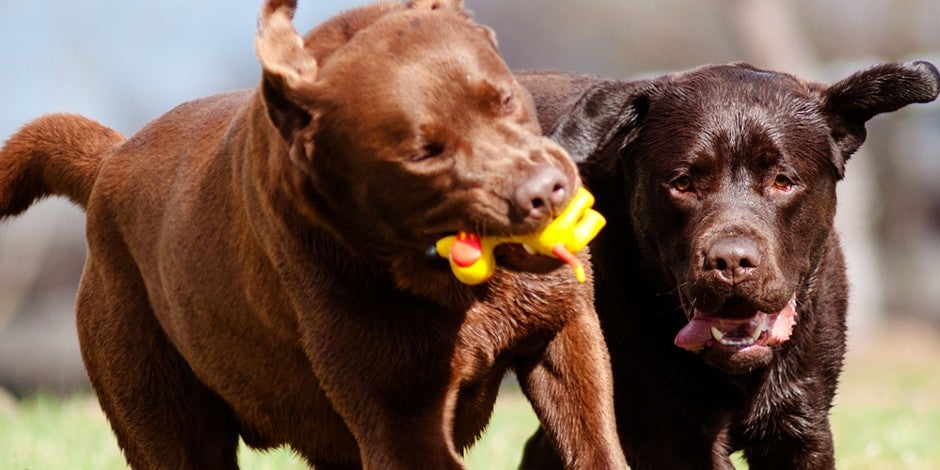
(812, 449)
(390, 381)
(571, 390)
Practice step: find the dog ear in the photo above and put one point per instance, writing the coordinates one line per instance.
(289, 70)
(884, 88)
(604, 112)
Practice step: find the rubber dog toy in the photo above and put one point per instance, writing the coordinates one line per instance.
(471, 256)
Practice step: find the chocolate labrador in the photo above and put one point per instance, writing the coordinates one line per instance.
(720, 281)
(257, 262)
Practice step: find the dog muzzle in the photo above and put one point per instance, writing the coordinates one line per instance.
(471, 255)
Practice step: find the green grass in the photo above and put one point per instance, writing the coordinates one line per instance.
(45, 432)
(887, 413)
(887, 416)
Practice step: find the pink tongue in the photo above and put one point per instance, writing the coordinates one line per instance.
(697, 334)
(783, 326)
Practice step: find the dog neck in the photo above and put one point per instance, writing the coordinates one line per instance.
(279, 202)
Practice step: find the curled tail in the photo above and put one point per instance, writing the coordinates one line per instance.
(58, 155)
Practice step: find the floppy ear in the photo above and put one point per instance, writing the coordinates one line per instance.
(605, 111)
(884, 88)
(289, 70)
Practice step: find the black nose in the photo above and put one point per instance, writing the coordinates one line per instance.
(542, 195)
(733, 259)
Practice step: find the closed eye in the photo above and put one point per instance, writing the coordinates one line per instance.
(507, 103)
(429, 150)
(432, 149)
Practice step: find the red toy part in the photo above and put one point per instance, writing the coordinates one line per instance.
(466, 249)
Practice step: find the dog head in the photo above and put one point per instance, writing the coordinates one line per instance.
(406, 125)
(729, 177)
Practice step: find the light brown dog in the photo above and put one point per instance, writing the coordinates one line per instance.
(257, 260)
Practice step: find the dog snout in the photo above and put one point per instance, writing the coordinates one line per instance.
(543, 194)
(733, 259)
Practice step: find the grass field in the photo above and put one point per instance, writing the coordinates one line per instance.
(887, 416)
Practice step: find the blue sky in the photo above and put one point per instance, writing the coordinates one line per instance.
(124, 63)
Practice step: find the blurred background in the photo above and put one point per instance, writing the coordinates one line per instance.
(125, 63)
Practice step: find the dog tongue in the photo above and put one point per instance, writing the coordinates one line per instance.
(697, 334)
(783, 325)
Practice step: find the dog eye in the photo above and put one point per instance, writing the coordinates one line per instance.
(783, 183)
(431, 150)
(507, 103)
(682, 183)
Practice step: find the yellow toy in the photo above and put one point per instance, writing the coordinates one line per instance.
(471, 257)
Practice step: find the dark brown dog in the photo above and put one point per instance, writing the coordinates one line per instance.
(257, 259)
(720, 281)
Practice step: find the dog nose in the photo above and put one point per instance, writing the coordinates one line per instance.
(543, 194)
(733, 258)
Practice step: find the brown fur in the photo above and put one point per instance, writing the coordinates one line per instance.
(718, 185)
(256, 259)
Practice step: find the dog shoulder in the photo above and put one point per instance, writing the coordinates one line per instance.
(555, 92)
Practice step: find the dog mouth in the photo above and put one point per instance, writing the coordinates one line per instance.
(523, 258)
(744, 336)
(473, 258)
(517, 257)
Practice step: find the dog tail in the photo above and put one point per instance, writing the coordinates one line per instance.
(58, 154)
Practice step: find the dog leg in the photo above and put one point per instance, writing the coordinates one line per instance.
(421, 443)
(571, 391)
(404, 438)
(401, 415)
(162, 415)
(540, 453)
(813, 450)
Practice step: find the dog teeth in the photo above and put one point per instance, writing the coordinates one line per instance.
(529, 249)
(722, 338)
(756, 334)
(717, 334)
